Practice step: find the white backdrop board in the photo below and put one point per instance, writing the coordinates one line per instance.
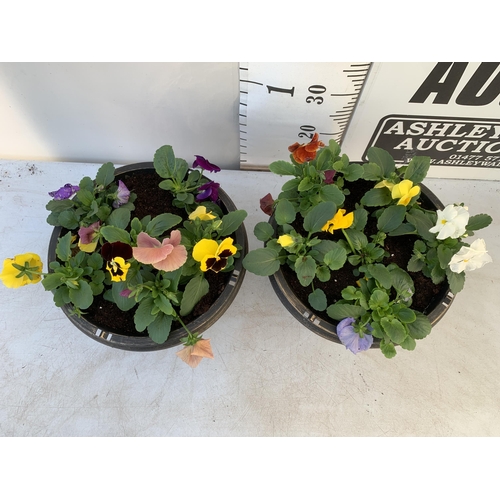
(448, 111)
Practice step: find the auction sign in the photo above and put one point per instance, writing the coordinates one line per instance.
(447, 111)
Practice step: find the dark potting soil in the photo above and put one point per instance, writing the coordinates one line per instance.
(399, 249)
(151, 200)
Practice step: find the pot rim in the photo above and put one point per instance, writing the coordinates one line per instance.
(327, 329)
(199, 325)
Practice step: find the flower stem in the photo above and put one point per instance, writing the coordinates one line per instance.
(349, 241)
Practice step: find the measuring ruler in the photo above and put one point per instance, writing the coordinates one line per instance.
(283, 103)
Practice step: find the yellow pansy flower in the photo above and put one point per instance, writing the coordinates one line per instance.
(118, 268)
(212, 255)
(13, 277)
(340, 220)
(202, 214)
(285, 240)
(405, 191)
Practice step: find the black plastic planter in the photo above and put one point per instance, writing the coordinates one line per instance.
(114, 338)
(328, 329)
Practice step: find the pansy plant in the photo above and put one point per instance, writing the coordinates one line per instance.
(316, 231)
(157, 266)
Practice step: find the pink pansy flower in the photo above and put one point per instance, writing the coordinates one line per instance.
(168, 255)
(88, 234)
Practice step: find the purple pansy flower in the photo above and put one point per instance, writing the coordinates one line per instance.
(351, 339)
(125, 293)
(205, 164)
(65, 192)
(122, 195)
(329, 175)
(209, 190)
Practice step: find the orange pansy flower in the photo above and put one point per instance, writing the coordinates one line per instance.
(303, 153)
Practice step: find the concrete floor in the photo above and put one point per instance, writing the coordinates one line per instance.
(270, 375)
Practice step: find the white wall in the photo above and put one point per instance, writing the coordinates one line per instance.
(119, 112)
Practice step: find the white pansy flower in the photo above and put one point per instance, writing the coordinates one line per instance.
(451, 222)
(470, 258)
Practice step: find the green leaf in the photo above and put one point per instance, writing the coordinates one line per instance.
(59, 205)
(391, 218)
(415, 264)
(284, 212)
(422, 223)
(105, 174)
(321, 249)
(263, 231)
(305, 267)
(377, 197)
(403, 229)
(291, 185)
(232, 221)
(68, 219)
(455, 280)
(61, 296)
(402, 282)
(113, 234)
(63, 248)
(164, 305)
(323, 274)
(331, 192)
(319, 215)
(360, 219)
(143, 317)
(372, 172)
(85, 197)
(419, 328)
(282, 167)
(406, 315)
(417, 169)
(194, 291)
(335, 258)
(317, 300)
(262, 261)
(381, 274)
(394, 329)
(305, 184)
(383, 159)
(444, 254)
(353, 172)
(334, 147)
(159, 329)
(477, 222)
(388, 349)
(358, 239)
(95, 261)
(339, 311)
(161, 223)
(119, 217)
(408, 343)
(52, 281)
(123, 303)
(164, 162)
(378, 299)
(82, 296)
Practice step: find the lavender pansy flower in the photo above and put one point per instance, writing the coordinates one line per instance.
(209, 190)
(205, 164)
(122, 195)
(65, 192)
(351, 339)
